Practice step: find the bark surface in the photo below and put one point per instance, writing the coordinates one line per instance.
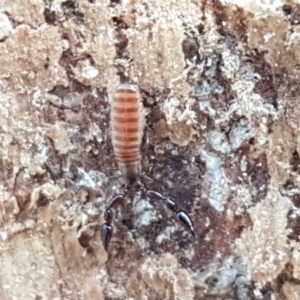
(220, 86)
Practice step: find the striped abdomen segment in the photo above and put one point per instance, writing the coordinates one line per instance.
(127, 126)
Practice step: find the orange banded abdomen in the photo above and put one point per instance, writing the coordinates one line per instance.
(127, 123)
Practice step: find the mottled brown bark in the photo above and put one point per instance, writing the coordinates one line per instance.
(220, 86)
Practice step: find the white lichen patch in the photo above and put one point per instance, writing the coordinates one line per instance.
(247, 101)
(174, 114)
(98, 34)
(259, 6)
(225, 280)
(219, 277)
(281, 146)
(216, 181)
(242, 198)
(30, 12)
(295, 259)
(240, 133)
(85, 72)
(33, 272)
(23, 67)
(92, 179)
(219, 141)
(158, 60)
(179, 133)
(47, 191)
(231, 64)
(153, 65)
(5, 26)
(166, 234)
(263, 247)
(144, 212)
(163, 274)
(8, 205)
(89, 72)
(60, 138)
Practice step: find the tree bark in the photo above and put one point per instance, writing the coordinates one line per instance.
(220, 86)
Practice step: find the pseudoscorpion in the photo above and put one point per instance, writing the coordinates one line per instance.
(127, 122)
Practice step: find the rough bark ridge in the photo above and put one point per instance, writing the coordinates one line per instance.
(220, 83)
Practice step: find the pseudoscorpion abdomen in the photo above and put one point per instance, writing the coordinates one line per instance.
(127, 123)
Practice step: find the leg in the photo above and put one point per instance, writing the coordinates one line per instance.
(181, 215)
(106, 228)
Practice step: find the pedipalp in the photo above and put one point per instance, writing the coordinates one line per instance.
(182, 217)
(107, 228)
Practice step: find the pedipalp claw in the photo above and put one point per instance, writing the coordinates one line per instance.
(106, 234)
(186, 222)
